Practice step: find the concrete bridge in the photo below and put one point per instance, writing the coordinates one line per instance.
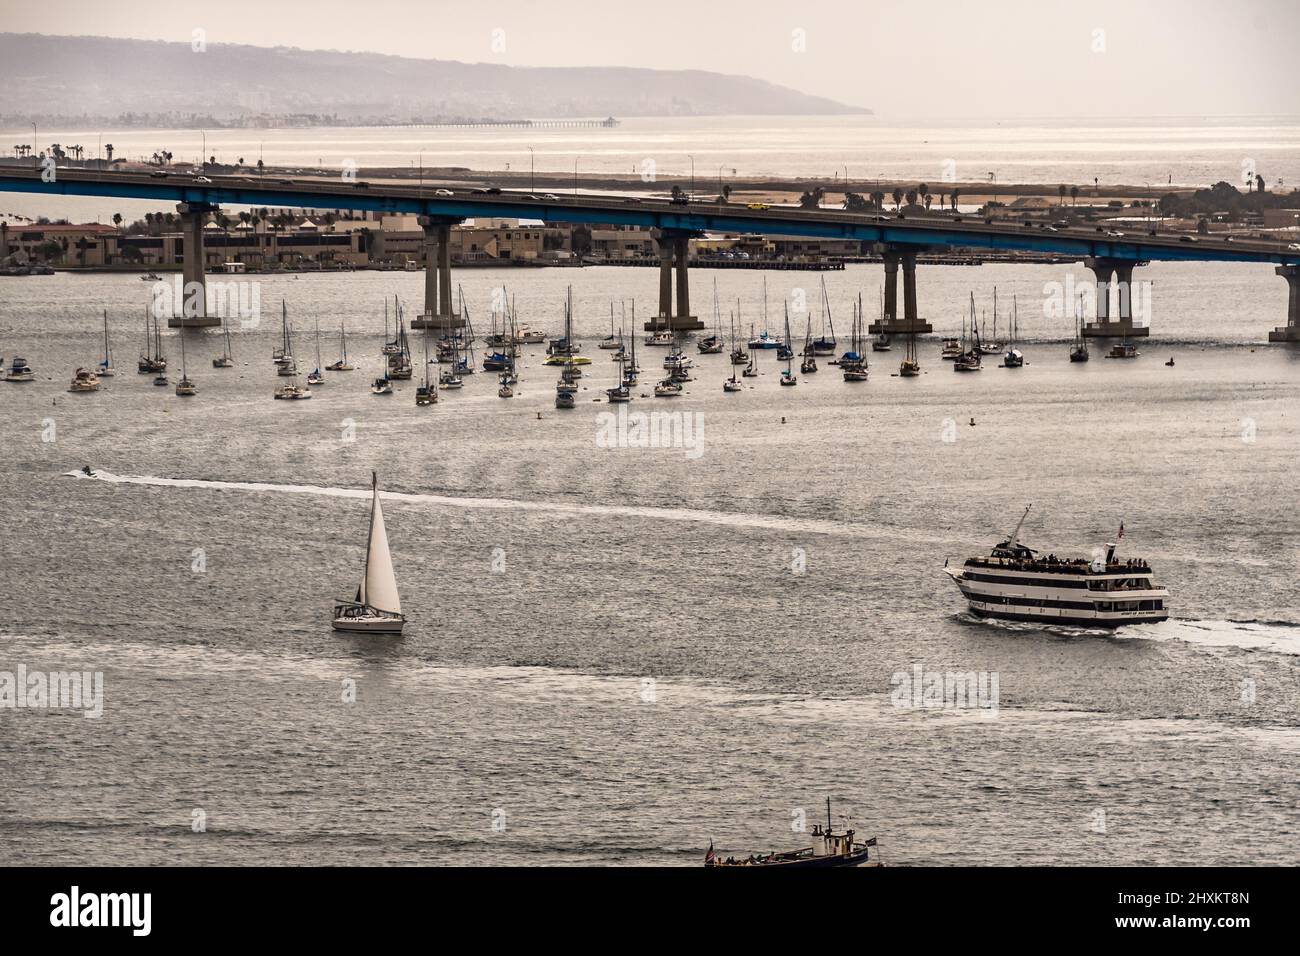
(1111, 255)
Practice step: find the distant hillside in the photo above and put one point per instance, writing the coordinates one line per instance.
(106, 77)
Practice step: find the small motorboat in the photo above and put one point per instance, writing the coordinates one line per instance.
(1123, 350)
(381, 386)
(186, 388)
(292, 391)
(20, 371)
(84, 380)
(668, 389)
(951, 349)
(880, 343)
(1170, 363)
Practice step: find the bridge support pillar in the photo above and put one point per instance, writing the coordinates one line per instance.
(1291, 331)
(674, 251)
(1114, 275)
(192, 311)
(890, 323)
(438, 312)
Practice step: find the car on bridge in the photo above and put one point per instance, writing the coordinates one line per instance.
(444, 192)
(203, 180)
(760, 206)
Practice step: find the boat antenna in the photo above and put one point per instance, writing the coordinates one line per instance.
(828, 814)
(1015, 535)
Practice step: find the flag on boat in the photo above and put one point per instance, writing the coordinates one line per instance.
(1121, 531)
(710, 856)
(871, 842)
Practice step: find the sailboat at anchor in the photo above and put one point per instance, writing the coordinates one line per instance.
(376, 609)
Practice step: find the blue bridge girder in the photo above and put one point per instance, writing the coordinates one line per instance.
(917, 232)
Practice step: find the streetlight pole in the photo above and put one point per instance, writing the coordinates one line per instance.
(532, 179)
(720, 165)
(203, 160)
(692, 159)
(575, 175)
(34, 138)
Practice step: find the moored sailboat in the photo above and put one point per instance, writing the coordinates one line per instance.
(227, 358)
(185, 387)
(151, 359)
(342, 365)
(105, 368)
(788, 377)
(1013, 357)
(1080, 351)
(317, 376)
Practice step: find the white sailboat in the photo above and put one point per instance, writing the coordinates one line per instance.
(376, 609)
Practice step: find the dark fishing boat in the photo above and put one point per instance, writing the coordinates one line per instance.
(829, 849)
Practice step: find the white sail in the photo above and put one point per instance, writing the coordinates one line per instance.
(379, 584)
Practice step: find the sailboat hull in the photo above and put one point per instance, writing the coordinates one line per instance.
(368, 621)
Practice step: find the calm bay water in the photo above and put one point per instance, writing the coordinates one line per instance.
(547, 580)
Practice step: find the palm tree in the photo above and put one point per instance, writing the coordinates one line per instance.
(922, 189)
(1259, 182)
(926, 199)
(1061, 192)
(898, 197)
(952, 199)
(117, 220)
(911, 197)
(108, 148)
(1074, 195)
(878, 198)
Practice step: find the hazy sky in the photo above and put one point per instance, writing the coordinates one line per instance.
(902, 58)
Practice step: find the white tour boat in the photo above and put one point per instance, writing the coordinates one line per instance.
(1016, 583)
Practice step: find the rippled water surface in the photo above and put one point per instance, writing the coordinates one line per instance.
(611, 654)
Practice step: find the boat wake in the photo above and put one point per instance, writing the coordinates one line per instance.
(731, 519)
(1278, 637)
